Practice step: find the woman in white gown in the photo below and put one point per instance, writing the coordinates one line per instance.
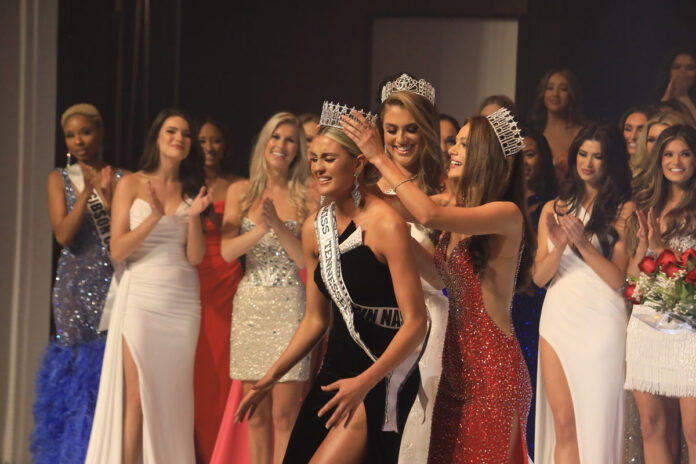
(144, 409)
(580, 397)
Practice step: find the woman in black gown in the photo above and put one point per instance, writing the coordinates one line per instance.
(365, 276)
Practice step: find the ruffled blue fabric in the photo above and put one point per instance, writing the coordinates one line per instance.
(66, 394)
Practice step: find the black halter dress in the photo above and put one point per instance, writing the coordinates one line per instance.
(372, 312)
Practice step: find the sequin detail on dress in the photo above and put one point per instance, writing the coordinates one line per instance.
(268, 307)
(484, 382)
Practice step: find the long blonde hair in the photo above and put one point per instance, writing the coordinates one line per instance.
(640, 162)
(297, 172)
(370, 173)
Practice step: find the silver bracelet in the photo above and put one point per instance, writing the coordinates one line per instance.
(392, 191)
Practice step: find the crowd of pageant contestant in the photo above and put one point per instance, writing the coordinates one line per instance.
(404, 286)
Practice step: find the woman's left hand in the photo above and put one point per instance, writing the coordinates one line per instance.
(201, 202)
(351, 392)
(574, 229)
(364, 134)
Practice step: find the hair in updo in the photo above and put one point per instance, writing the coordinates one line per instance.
(370, 173)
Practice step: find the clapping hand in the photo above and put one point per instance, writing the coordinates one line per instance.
(364, 134)
(557, 234)
(270, 215)
(649, 230)
(574, 230)
(156, 205)
(201, 202)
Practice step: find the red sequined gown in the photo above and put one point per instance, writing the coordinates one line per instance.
(484, 381)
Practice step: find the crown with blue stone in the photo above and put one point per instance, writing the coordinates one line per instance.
(505, 128)
(331, 114)
(405, 83)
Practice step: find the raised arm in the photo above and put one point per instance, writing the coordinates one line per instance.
(195, 240)
(391, 239)
(288, 240)
(611, 270)
(124, 241)
(498, 218)
(65, 224)
(309, 332)
(235, 244)
(547, 260)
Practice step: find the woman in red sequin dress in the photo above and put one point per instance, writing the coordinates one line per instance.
(484, 254)
(218, 283)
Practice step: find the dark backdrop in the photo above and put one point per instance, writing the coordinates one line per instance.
(241, 63)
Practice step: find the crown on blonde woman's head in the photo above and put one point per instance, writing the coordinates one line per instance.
(505, 128)
(331, 114)
(405, 83)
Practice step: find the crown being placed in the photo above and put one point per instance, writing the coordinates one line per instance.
(505, 127)
(331, 114)
(405, 83)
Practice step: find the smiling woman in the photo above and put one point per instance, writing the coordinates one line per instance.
(262, 221)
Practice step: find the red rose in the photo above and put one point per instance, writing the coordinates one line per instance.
(691, 277)
(647, 265)
(670, 269)
(666, 257)
(690, 253)
(630, 292)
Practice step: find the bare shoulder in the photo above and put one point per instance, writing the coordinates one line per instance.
(54, 178)
(238, 187)
(384, 219)
(132, 181)
(549, 206)
(626, 209)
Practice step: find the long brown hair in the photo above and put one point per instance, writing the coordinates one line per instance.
(489, 176)
(651, 189)
(430, 167)
(539, 113)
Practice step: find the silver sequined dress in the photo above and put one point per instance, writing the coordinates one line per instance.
(268, 307)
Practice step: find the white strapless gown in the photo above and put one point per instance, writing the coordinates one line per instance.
(156, 309)
(416, 437)
(584, 321)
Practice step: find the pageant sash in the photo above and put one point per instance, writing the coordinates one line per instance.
(330, 261)
(95, 205)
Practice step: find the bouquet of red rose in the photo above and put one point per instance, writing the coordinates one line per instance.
(667, 285)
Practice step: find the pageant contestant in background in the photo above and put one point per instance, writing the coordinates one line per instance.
(632, 123)
(145, 404)
(410, 127)
(365, 279)
(263, 218)
(557, 113)
(493, 103)
(680, 74)
(649, 134)
(79, 203)
(526, 306)
(218, 282)
(581, 251)
(661, 366)
(483, 398)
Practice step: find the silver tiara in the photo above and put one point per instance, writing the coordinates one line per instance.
(405, 83)
(331, 114)
(505, 127)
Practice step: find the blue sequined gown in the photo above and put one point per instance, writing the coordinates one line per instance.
(68, 379)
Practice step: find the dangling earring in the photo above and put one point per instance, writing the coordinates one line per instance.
(356, 191)
(322, 198)
(67, 159)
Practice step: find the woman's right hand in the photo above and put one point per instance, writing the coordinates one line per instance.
(156, 205)
(652, 223)
(557, 235)
(364, 134)
(254, 397)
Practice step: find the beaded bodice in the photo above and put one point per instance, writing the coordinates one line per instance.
(267, 263)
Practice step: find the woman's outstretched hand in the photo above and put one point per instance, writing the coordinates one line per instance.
(364, 134)
(254, 397)
(351, 392)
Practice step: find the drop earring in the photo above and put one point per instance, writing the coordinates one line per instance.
(322, 198)
(356, 191)
(67, 159)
